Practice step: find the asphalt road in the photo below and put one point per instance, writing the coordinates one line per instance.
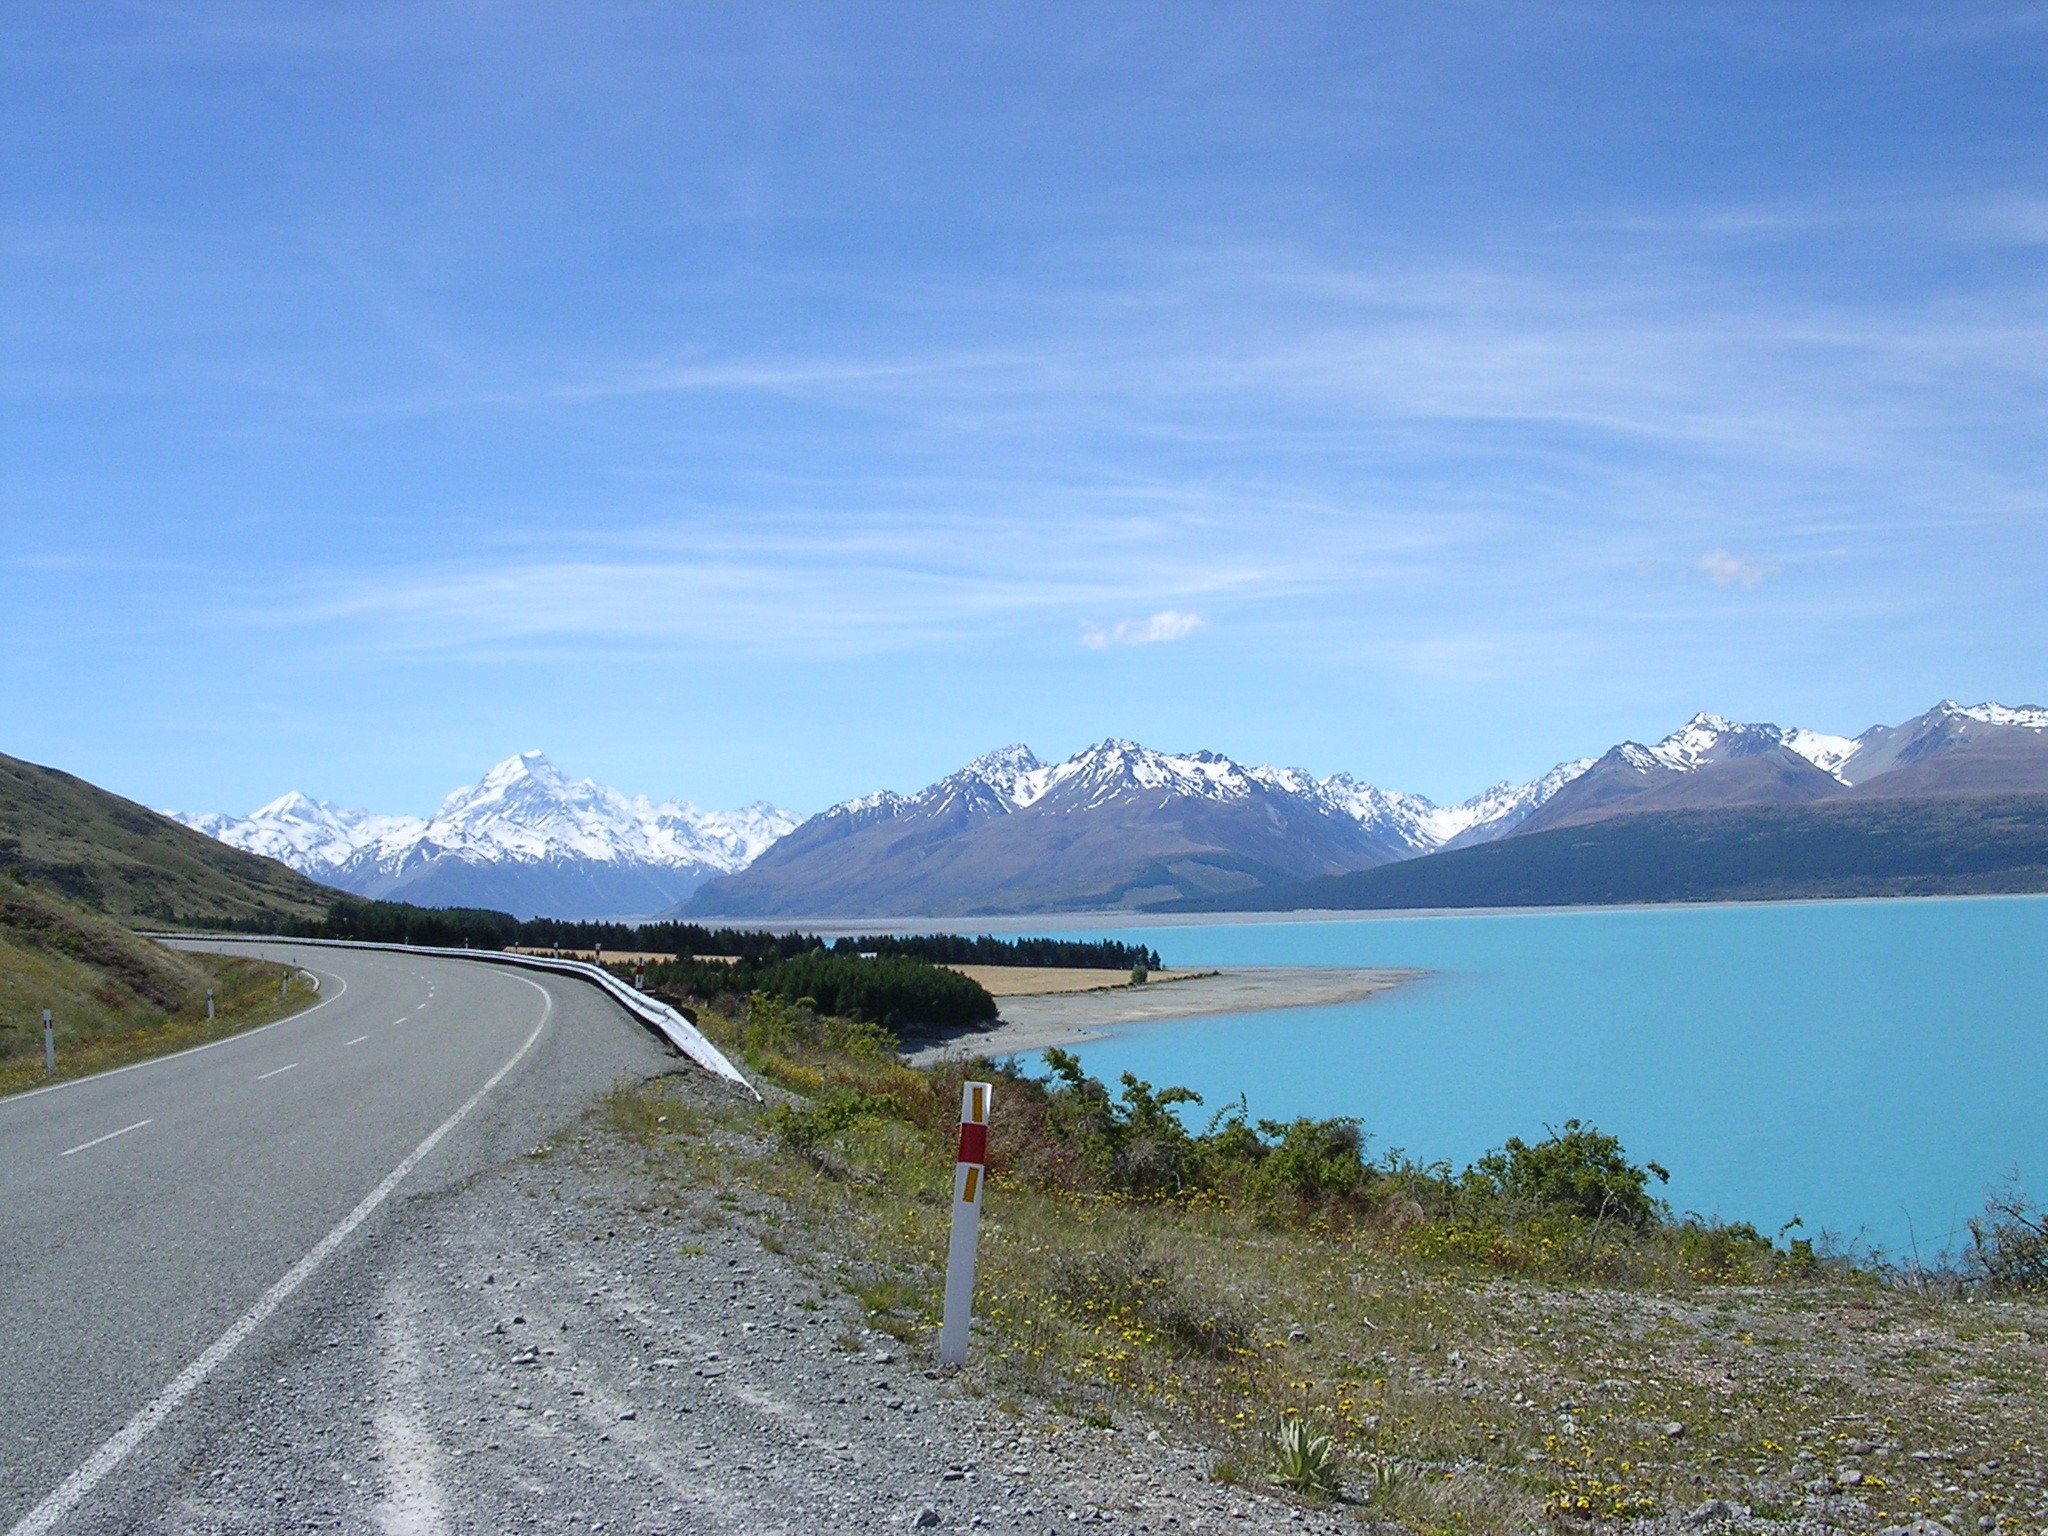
(159, 1225)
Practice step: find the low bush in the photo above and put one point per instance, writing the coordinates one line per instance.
(1130, 1282)
(1578, 1170)
(2009, 1244)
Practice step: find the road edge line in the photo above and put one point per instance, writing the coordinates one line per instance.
(190, 1050)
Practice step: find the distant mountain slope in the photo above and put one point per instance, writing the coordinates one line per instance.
(1951, 749)
(122, 859)
(1834, 848)
(1954, 749)
(1117, 825)
(526, 839)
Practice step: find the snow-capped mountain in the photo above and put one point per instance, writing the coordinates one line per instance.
(1122, 825)
(1710, 762)
(1115, 825)
(1013, 779)
(1118, 824)
(526, 839)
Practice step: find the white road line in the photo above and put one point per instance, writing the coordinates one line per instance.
(194, 1050)
(138, 1125)
(359, 1039)
(286, 1068)
(74, 1488)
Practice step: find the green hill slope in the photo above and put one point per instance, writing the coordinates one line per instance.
(122, 859)
(1927, 847)
(116, 996)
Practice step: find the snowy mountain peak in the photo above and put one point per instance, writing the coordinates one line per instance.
(1706, 739)
(1014, 779)
(2027, 717)
(1011, 773)
(524, 813)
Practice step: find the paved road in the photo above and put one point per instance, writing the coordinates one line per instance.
(148, 1216)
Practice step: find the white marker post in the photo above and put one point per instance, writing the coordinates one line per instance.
(49, 1045)
(209, 1002)
(970, 1175)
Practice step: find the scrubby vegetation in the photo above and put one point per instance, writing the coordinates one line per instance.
(394, 922)
(958, 949)
(890, 990)
(1536, 1337)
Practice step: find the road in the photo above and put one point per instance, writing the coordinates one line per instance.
(172, 1214)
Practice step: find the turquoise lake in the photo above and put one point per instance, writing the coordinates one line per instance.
(1874, 1068)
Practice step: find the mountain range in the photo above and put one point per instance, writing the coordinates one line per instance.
(526, 839)
(1119, 826)
(1115, 826)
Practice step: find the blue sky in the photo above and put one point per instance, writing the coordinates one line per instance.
(783, 403)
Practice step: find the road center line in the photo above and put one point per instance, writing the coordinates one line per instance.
(261, 1075)
(359, 1039)
(74, 1488)
(138, 1125)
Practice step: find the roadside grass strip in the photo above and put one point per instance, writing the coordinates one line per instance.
(1458, 1370)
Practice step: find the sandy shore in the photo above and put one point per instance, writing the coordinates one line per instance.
(1032, 1023)
(1036, 980)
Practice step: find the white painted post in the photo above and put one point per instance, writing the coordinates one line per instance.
(284, 985)
(209, 1002)
(49, 1045)
(970, 1178)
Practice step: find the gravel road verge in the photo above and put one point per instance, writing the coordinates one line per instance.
(542, 1348)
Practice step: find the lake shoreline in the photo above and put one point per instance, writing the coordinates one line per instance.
(1036, 1023)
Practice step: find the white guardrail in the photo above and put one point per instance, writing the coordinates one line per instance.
(658, 1016)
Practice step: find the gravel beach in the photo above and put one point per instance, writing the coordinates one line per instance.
(1032, 1023)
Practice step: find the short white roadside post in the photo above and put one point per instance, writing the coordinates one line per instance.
(970, 1178)
(49, 1045)
(209, 1002)
(284, 985)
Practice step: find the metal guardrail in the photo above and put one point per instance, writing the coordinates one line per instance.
(658, 1016)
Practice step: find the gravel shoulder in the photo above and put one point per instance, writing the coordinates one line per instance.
(542, 1347)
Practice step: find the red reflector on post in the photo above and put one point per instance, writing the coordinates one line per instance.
(973, 1144)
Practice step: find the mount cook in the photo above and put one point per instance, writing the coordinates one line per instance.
(526, 840)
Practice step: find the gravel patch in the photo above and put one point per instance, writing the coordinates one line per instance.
(529, 1351)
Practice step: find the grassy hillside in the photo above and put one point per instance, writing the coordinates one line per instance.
(124, 860)
(116, 997)
(1753, 853)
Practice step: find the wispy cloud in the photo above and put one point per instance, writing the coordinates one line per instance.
(1168, 624)
(1728, 570)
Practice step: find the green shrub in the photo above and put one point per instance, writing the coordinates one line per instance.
(1579, 1170)
(2009, 1244)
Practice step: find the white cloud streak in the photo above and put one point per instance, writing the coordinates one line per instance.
(1726, 570)
(1161, 627)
